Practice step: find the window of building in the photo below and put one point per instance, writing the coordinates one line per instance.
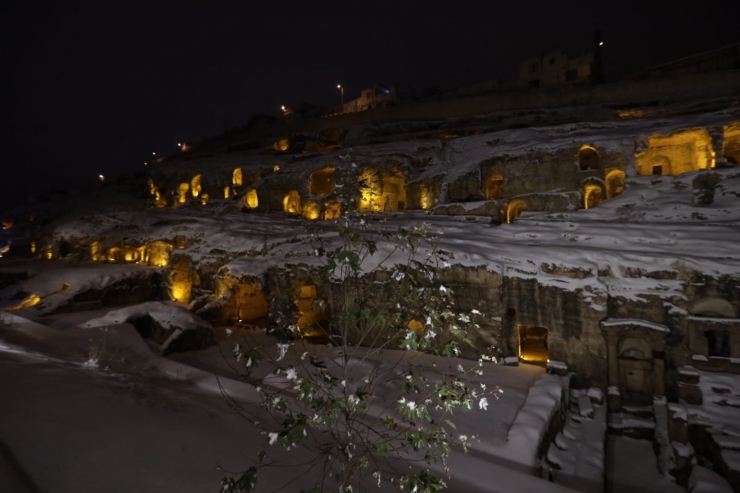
(718, 343)
(571, 75)
(534, 67)
(657, 170)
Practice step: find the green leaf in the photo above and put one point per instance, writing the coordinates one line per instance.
(452, 425)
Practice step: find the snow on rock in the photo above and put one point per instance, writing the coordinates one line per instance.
(533, 420)
(182, 330)
(705, 480)
(585, 408)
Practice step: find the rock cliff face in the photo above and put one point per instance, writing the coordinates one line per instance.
(554, 234)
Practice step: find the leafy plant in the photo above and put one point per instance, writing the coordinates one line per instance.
(371, 399)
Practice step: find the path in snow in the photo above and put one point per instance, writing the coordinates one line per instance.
(632, 467)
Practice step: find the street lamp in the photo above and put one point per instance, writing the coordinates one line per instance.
(341, 97)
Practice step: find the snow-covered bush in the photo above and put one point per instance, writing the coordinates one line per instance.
(357, 406)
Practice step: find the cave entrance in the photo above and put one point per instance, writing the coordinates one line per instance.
(494, 186)
(614, 183)
(588, 158)
(591, 196)
(382, 190)
(292, 203)
(533, 345)
(680, 152)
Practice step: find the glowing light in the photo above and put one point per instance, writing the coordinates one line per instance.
(49, 252)
(33, 247)
(237, 177)
(332, 210)
(322, 182)
(251, 199)
(159, 253)
(281, 145)
(511, 211)
(182, 193)
(601, 43)
(7, 224)
(227, 192)
(27, 303)
(275, 168)
(494, 188)
(311, 211)
(381, 190)
(339, 86)
(683, 151)
(591, 196)
(179, 144)
(181, 281)
(101, 177)
(154, 153)
(292, 203)
(195, 186)
(614, 183)
(204, 199)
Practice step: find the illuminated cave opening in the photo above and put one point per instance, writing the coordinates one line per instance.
(332, 210)
(614, 183)
(592, 195)
(292, 203)
(311, 210)
(181, 280)
(588, 158)
(160, 199)
(227, 192)
(533, 345)
(158, 253)
(251, 200)
(382, 190)
(494, 186)
(204, 199)
(311, 317)
(237, 177)
(731, 145)
(182, 193)
(680, 152)
(281, 145)
(251, 304)
(195, 186)
(322, 182)
(511, 211)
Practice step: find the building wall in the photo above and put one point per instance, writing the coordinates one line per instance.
(555, 68)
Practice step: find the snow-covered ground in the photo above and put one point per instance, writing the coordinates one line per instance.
(159, 425)
(632, 467)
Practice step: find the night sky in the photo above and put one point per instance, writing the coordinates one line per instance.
(97, 89)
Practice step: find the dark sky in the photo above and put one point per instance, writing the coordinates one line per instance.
(97, 88)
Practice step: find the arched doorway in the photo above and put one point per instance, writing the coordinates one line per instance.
(635, 371)
(588, 158)
(533, 344)
(591, 195)
(494, 187)
(614, 183)
(292, 203)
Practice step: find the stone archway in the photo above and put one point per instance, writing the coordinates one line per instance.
(614, 183)
(635, 359)
(588, 158)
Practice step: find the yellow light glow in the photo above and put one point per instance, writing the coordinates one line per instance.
(311, 210)
(322, 182)
(7, 223)
(381, 190)
(308, 313)
(152, 187)
(494, 186)
(251, 200)
(591, 196)
(130, 254)
(251, 303)
(275, 168)
(49, 252)
(417, 327)
(33, 247)
(332, 210)
(227, 192)
(281, 145)
(181, 281)
(114, 255)
(5, 249)
(182, 193)
(195, 186)
(96, 251)
(292, 203)
(680, 152)
(237, 177)
(204, 199)
(511, 211)
(160, 200)
(27, 303)
(159, 253)
(179, 242)
(614, 183)
(588, 158)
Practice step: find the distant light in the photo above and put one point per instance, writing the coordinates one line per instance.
(102, 178)
(154, 154)
(339, 86)
(282, 108)
(145, 164)
(179, 144)
(601, 43)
